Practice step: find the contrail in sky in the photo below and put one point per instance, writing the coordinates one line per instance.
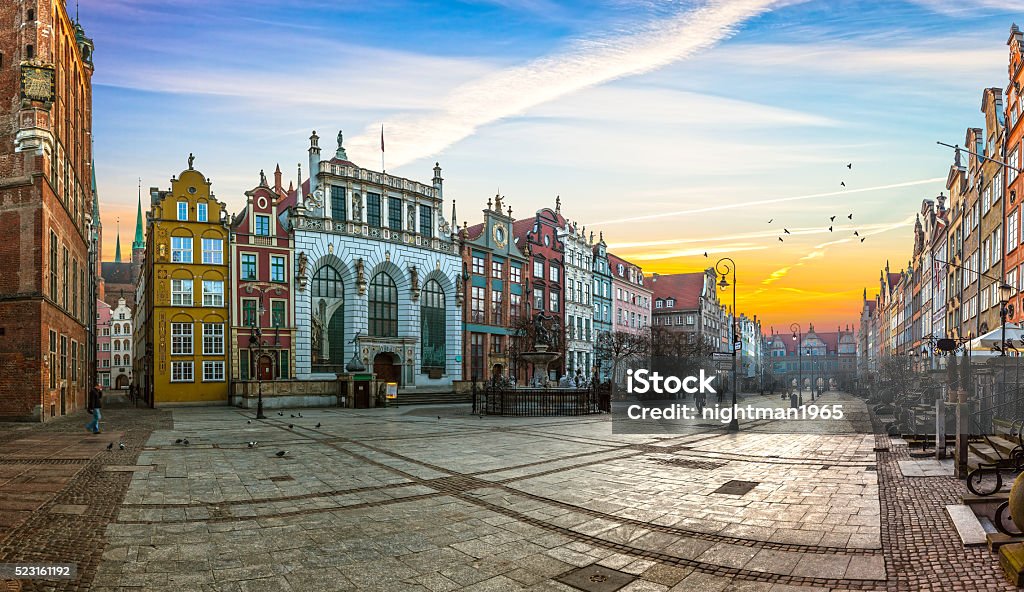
(761, 202)
(589, 62)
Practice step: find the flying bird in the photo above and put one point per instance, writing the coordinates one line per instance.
(110, 446)
(832, 219)
(862, 239)
(830, 229)
(770, 221)
(855, 233)
(780, 240)
(843, 183)
(705, 253)
(786, 230)
(850, 217)
(849, 165)
(281, 453)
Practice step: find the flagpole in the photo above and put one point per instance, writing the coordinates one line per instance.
(382, 148)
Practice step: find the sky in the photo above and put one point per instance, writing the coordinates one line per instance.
(675, 128)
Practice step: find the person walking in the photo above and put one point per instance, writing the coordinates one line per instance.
(94, 407)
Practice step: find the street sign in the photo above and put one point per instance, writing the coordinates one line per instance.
(721, 356)
(722, 365)
(737, 346)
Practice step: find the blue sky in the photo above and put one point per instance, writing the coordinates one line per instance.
(636, 112)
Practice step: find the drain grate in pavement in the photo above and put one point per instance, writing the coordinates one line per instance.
(689, 464)
(279, 478)
(594, 578)
(737, 487)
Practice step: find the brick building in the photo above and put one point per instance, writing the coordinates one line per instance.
(261, 286)
(47, 292)
(538, 237)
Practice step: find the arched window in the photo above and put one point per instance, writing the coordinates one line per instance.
(117, 360)
(327, 346)
(117, 345)
(432, 326)
(383, 306)
(117, 329)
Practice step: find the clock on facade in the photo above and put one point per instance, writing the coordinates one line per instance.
(37, 83)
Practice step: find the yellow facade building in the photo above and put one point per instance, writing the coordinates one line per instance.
(181, 343)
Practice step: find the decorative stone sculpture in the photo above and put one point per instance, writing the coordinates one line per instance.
(360, 277)
(300, 275)
(414, 280)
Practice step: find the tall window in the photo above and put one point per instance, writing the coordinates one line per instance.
(432, 319)
(283, 365)
(538, 268)
(515, 306)
(553, 302)
(426, 220)
(373, 209)
(213, 339)
(74, 287)
(213, 293)
(394, 213)
(476, 355)
(478, 265)
(181, 292)
(64, 278)
(53, 265)
(538, 299)
(201, 212)
(63, 357)
(553, 273)
(327, 283)
(327, 348)
(337, 203)
(383, 306)
(181, 339)
(74, 362)
(277, 313)
(248, 266)
(498, 270)
(249, 312)
(213, 251)
(496, 307)
(243, 364)
(276, 268)
(181, 249)
(182, 210)
(515, 274)
(477, 304)
(262, 225)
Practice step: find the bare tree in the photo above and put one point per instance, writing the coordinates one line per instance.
(621, 348)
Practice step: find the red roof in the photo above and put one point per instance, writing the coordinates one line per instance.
(615, 260)
(291, 198)
(894, 278)
(520, 228)
(685, 288)
(871, 306)
(473, 232)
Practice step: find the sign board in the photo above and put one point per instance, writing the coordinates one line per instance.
(737, 346)
(722, 365)
(721, 356)
(392, 391)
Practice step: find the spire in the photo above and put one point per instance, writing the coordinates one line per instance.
(455, 221)
(139, 243)
(117, 249)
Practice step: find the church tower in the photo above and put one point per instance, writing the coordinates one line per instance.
(139, 244)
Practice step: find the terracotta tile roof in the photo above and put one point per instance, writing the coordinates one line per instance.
(615, 260)
(473, 232)
(685, 288)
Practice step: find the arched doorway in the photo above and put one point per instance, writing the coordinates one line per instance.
(265, 367)
(121, 382)
(387, 368)
(496, 371)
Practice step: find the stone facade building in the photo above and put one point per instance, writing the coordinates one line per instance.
(377, 275)
(103, 343)
(577, 263)
(122, 337)
(47, 293)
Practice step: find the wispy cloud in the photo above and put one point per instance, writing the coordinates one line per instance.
(588, 62)
(774, 200)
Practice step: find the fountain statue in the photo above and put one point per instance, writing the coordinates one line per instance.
(546, 329)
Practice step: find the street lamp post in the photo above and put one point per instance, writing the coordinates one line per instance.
(798, 331)
(724, 266)
(256, 338)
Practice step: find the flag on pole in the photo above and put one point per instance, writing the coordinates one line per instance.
(382, 169)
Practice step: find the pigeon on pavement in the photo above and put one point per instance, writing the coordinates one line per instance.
(281, 453)
(110, 446)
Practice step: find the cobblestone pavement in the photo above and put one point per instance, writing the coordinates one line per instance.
(434, 499)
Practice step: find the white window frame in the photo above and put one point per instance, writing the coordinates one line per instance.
(182, 339)
(176, 295)
(178, 252)
(213, 251)
(213, 336)
(201, 212)
(183, 215)
(179, 374)
(211, 369)
(217, 296)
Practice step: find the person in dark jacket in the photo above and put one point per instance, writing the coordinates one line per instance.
(94, 407)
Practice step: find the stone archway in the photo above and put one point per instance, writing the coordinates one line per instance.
(121, 382)
(388, 368)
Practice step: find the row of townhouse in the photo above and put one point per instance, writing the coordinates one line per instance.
(353, 270)
(966, 245)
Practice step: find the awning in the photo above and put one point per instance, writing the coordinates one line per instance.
(1014, 335)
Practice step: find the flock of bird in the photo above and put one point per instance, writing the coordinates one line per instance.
(250, 444)
(831, 219)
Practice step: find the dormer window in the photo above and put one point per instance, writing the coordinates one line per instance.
(659, 304)
(670, 303)
(262, 225)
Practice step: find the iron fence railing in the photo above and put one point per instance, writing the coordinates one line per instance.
(500, 399)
